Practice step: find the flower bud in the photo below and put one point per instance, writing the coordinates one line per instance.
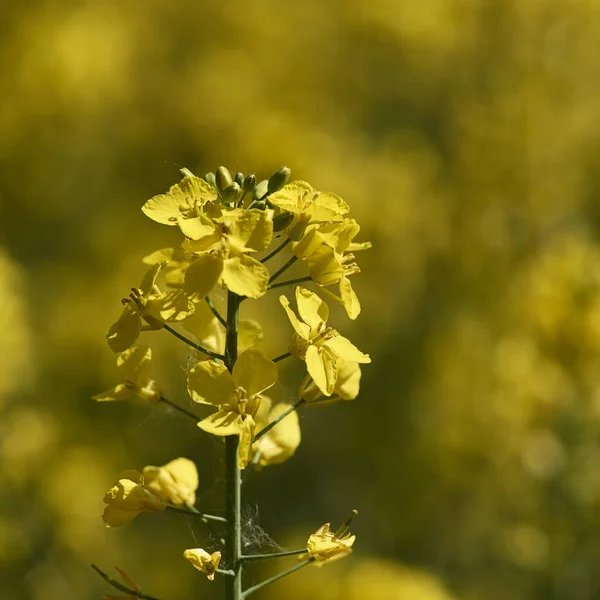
(260, 189)
(239, 179)
(223, 179)
(231, 193)
(249, 183)
(261, 205)
(280, 222)
(210, 178)
(279, 179)
(186, 172)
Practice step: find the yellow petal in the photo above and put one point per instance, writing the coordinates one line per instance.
(345, 349)
(250, 334)
(203, 561)
(293, 197)
(245, 276)
(245, 444)
(125, 331)
(223, 423)
(197, 227)
(302, 329)
(149, 281)
(326, 269)
(349, 298)
(347, 385)
(311, 308)
(134, 363)
(209, 382)
(203, 274)
(321, 366)
(171, 306)
(162, 208)
(204, 326)
(170, 256)
(281, 442)
(119, 392)
(330, 202)
(254, 372)
(262, 233)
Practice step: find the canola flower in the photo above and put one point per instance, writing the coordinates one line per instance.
(234, 229)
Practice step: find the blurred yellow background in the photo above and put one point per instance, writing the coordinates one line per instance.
(465, 135)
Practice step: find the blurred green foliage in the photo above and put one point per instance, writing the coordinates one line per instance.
(465, 134)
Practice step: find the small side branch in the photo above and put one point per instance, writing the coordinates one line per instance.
(261, 585)
(276, 251)
(195, 513)
(181, 409)
(282, 356)
(283, 269)
(289, 282)
(278, 419)
(274, 555)
(193, 344)
(215, 311)
(121, 587)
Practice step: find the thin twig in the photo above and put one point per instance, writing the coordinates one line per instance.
(258, 586)
(181, 409)
(193, 344)
(194, 513)
(278, 419)
(215, 311)
(276, 251)
(289, 282)
(119, 586)
(274, 555)
(285, 267)
(282, 356)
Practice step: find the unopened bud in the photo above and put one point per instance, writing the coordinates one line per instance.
(279, 179)
(280, 222)
(232, 193)
(260, 189)
(223, 179)
(210, 178)
(186, 172)
(249, 183)
(260, 205)
(239, 179)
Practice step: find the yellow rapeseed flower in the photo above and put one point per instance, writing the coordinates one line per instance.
(323, 546)
(175, 483)
(127, 499)
(237, 396)
(203, 561)
(319, 346)
(134, 364)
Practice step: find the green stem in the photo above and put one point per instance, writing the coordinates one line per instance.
(193, 344)
(258, 586)
(233, 585)
(195, 513)
(182, 410)
(215, 311)
(281, 417)
(119, 586)
(276, 251)
(285, 267)
(274, 555)
(282, 356)
(289, 282)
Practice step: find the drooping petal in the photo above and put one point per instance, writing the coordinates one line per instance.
(347, 385)
(312, 309)
(176, 482)
(203, 274)
(254, 372)
(134, 364)
(223, 423)
(302, 329)
(245, 444)
(245, 276)
(281, 442)
(209, 382)
(349, 298)
(321, 366)
(345, 349)
(119, 392)
(125, 331)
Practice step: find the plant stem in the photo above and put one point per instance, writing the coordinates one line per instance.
(119, 586)
(276, 251)
(282, 356)
(193, 344)
(285, 267)
(195, 513)
(233, 585)
(215, 311)
(289, 282)
(274, 555)
(182, 410)
(258, 586)
(281, 417)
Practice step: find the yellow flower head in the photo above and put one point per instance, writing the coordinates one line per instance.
(281, 441)
(319, 346)
(308, 206)
(203, 561)
(127, 499)
(175, 483)
(323, 545)
(148, 308)
(134, 364)
(237, 395)
(187, 204)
